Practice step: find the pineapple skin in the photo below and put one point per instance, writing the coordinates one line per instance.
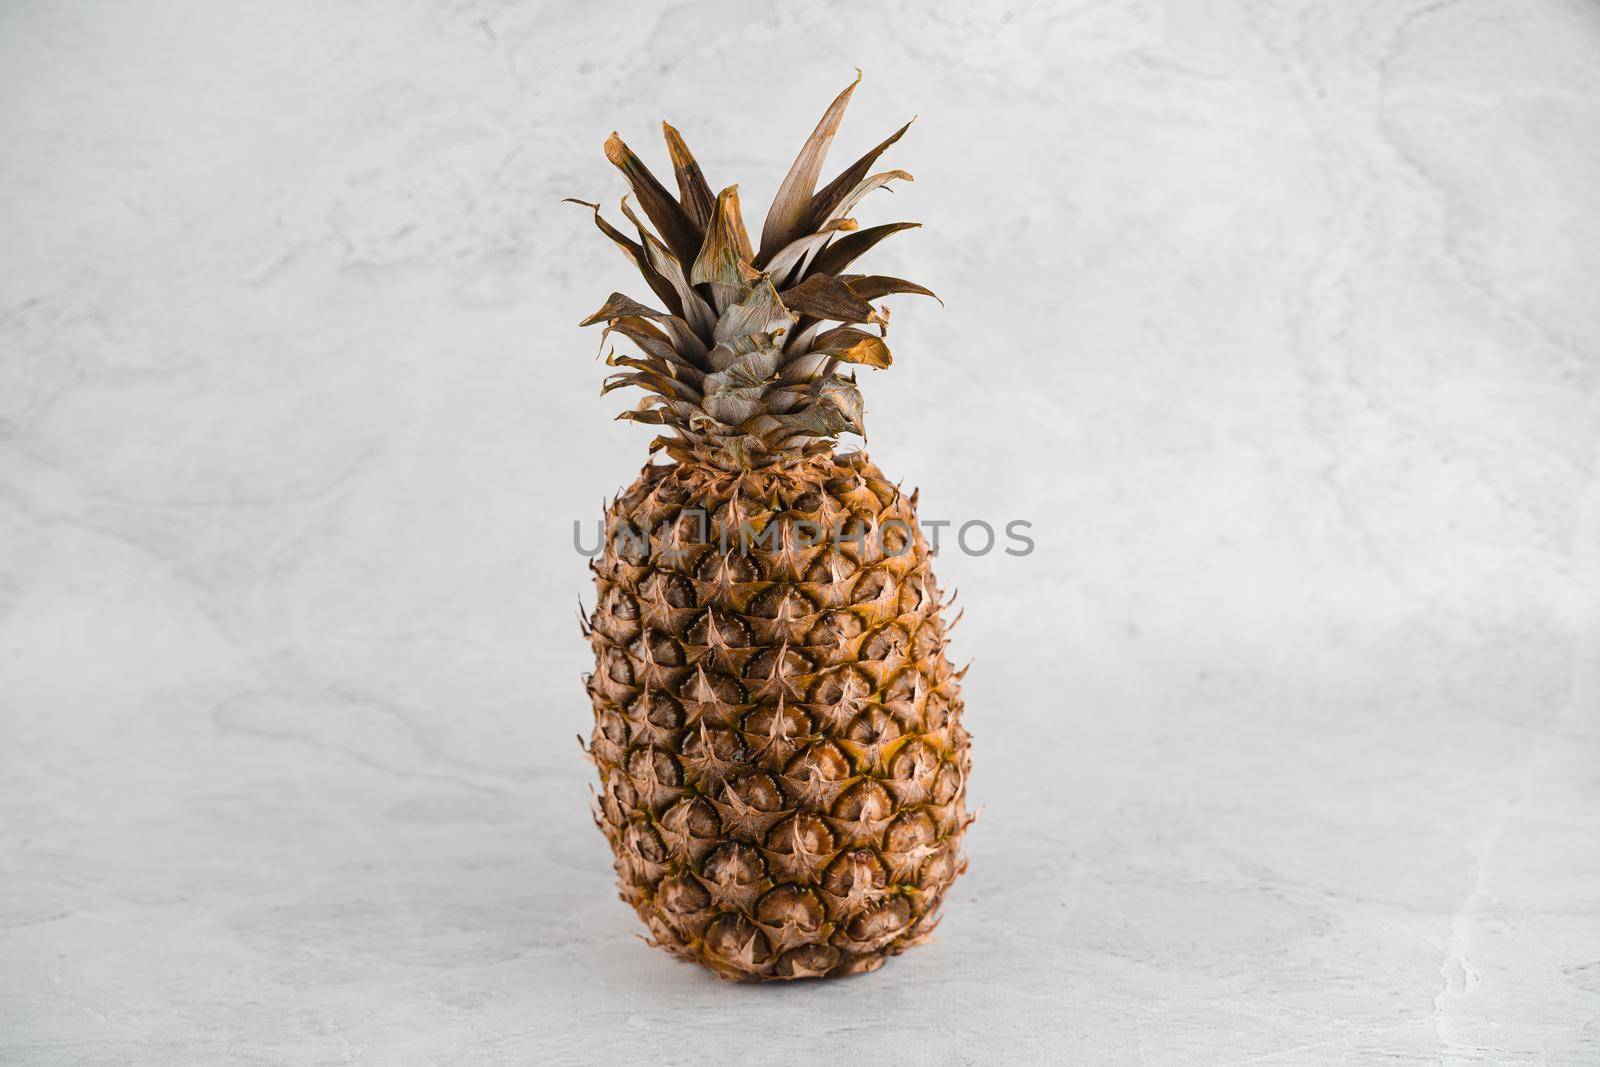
(777, 728)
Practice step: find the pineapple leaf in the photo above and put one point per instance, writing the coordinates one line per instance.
(752, 368)
(636, 252)
(649, 416)
(655, 383)
(865, 186)
(844, 251)
(850, 345)
(724, 259)
(823, 204)
(664, 263)
(836, 407)
(733, 405)
(873, 286)
(823, 296)
(759, 313)
(842, 395)
(797, 253)
(793, 199)
(685, 389)
(690, 347)
(677, 229)
(693, 191)
(650, 339)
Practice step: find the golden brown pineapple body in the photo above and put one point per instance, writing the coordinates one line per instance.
(777, 727)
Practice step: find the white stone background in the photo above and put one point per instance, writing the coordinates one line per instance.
(1279, 321)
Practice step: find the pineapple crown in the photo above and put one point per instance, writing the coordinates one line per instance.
(740, 365)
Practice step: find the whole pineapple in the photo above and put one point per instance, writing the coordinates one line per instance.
(777, 727)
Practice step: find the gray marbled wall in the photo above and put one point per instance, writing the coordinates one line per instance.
(1279, 321)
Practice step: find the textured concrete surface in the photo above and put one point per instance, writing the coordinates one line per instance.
(1278, 321)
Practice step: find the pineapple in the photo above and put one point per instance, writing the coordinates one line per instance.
(777, 727)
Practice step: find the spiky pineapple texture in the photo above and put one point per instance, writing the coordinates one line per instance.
(777, 725)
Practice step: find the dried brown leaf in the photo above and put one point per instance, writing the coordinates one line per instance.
(693, 191)
(618, 306)
(636, 252)
(822, 296)
(797, 253)
(839, 255)
(862, 188)
(724, 259)
(874, 286)
(693, 305)
(850, 345)
(829, 196)
(793, 199)
(676, 228)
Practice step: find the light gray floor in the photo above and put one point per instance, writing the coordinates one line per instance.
(1277, 321)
